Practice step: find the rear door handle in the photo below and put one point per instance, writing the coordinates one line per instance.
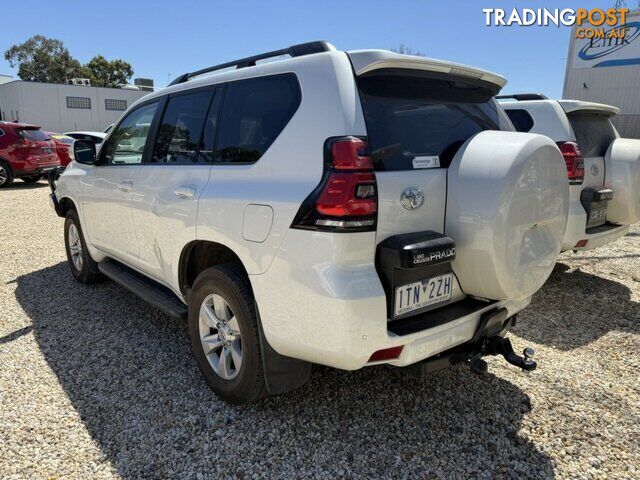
(186, 191)
(126, 186)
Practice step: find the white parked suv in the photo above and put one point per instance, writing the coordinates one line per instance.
(603, 169)
(340, 208)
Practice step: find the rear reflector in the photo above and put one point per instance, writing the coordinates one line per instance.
(574, 161)
(581, 243)
(386, 354)
(346, 199)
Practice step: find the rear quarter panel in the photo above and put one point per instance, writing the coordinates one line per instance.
(292, 166)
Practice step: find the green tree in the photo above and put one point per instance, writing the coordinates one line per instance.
(105, 73)
(407, 50)
(42, 59)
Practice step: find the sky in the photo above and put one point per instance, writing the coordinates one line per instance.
(162, 39)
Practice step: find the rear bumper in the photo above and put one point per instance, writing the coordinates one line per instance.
(30, 170)
(322, 301)
(596, 237)
(30, 165)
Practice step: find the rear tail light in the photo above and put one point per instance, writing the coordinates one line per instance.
(346, 199)
(574, 161)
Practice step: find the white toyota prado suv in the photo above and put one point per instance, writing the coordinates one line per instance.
(603, 169)
(340, 208)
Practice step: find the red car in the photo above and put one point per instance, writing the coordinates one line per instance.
(64, 147)
(26, 152)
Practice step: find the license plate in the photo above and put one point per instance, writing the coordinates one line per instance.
(597, 217)
(425, 293)
(47, 150)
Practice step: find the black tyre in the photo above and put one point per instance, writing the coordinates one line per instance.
(83, 267)
(6, 174)
(223, 327)
(30, 180)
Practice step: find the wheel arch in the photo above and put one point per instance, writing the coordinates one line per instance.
(199, 255)
(65, 204)
(7, 162)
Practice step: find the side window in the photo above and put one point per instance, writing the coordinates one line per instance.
(181, 129)
(127, 142)
(254, 113)
(520, 119)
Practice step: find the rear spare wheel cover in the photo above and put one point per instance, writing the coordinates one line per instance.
(507, 206)
(623, 158)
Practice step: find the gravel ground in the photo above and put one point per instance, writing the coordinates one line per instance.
(95, 384)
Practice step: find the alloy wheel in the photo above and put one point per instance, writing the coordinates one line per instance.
(75, 247)
(220, 336)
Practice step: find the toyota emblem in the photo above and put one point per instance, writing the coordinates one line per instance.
(412, 198)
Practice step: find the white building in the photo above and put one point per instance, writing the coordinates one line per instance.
(64, 108)
(608, 71)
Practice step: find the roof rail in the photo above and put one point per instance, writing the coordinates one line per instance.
(293, 51)
(523, 96)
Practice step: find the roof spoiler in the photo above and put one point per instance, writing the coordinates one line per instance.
(523, 96)
(367, 61)
(293, 51)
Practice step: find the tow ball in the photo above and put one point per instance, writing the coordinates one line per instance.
(502, 346)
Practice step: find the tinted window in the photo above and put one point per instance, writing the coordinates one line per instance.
(421, 118)
(181, 128)
(127, 142)
(254, 112)
(520, 119)
(33, 135)
(594, 132)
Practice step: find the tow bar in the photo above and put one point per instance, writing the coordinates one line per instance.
(502, 346)
(488, 340)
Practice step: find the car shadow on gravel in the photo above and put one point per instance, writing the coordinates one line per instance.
(128, 371)
(575, 308)
(18, 185)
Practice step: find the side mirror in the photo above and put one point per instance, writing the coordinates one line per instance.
(84, 151)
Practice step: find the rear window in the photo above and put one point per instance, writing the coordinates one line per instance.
(33, 135)
(254, 113)
(594, 132)
(417, 121)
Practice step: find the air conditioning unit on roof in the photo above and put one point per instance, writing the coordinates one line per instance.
(85, 82)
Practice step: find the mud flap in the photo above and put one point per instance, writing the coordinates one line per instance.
(281, 374)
